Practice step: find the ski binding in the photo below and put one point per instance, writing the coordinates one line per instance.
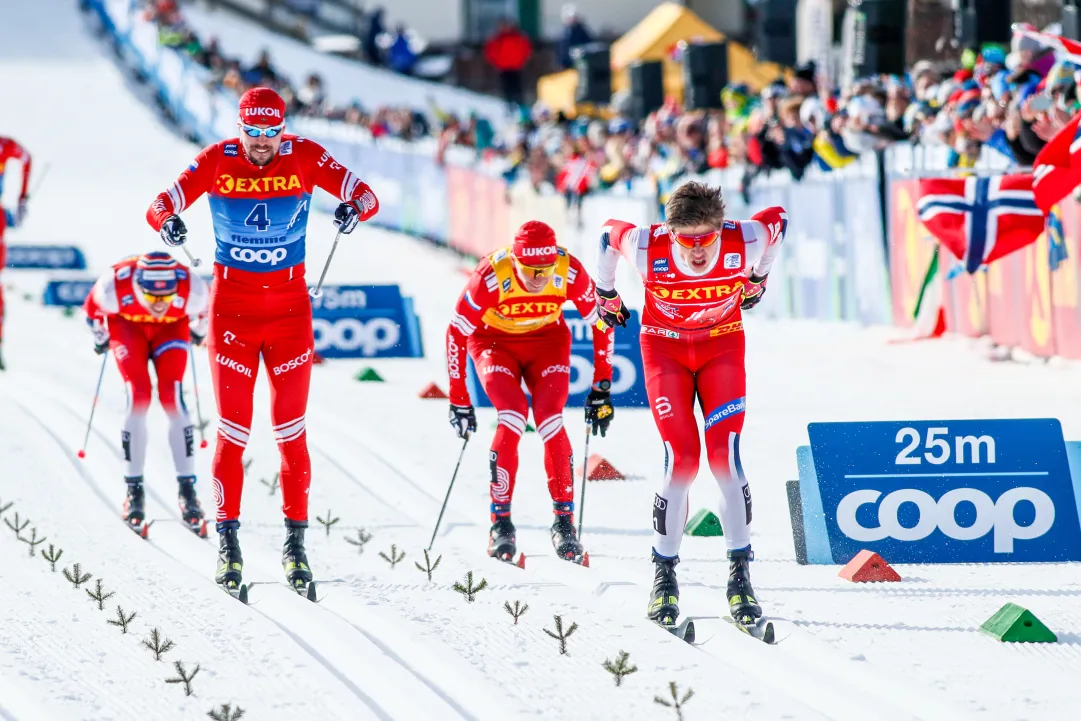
(307, 590)
(683, 630)
(141, 529)
(762, 628)
(198, 527)
(239, 592)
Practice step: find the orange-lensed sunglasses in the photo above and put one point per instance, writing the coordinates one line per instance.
(689, 241)
(151, 299)
(545, 271)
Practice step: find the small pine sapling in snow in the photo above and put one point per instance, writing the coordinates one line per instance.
(394, 557)
(122, 620)
(560, 635)
(327, 522)
(184, 677)
(620, 667)
(16, 525)
(5, 506)
(226, 713)
(76, 576)
(99, 595)
(676, 703)
(467, 589)
(517, 610)
(52, 556)
(247, 464)
(361, 539)
(33, 541)
(428, 566)
(157, 645)
(272, 484)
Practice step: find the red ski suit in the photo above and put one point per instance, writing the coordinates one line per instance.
(512, 335)
(10, 150)
(259, 304)
(693, 348)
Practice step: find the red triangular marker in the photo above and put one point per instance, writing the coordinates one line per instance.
(599, 469)
(432, 391)
(868, 566)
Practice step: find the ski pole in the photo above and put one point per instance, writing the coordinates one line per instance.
(582, 499)
(318, 289)
(449, 489)
(198, 406)
(195, 262)
(39, 181)
(93, 406)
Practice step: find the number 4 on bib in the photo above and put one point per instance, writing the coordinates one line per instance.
(259, 218)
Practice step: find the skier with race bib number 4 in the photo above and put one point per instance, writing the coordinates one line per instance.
(700, 271)
(260, 186)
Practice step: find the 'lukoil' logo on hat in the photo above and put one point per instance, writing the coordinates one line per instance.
(270, 112)
(534, 252)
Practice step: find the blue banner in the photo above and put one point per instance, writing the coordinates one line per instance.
(628, 377)
(45, 257)
(67, 292)
(365, 321)
(969, 491)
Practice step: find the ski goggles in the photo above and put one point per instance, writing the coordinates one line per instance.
(253, 132)
(689, 241)
(151, 299)
(536, 272)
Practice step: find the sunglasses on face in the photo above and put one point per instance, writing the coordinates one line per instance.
(689, 241)
(253, 132)
(536, 273)
(151, 299)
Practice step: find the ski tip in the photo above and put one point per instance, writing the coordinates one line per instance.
(242, 595)
(144, 532)
(311, 592)
(202, 530)
(521, 561)
(585, 559)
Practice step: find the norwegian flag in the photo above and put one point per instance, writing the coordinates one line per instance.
(1057, 167)
(981, 219)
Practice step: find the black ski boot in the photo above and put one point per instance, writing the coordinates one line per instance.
(295, 559)
(230, 574)
(502, 541)
(664, 599)
(565, 540)
(190, 509)
(741, 597)
(134, 511)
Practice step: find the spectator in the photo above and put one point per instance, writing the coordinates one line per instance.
(400, 55)
(263, 72)
(371, 37)
(575, 34)
(311, 97)
(508, 50)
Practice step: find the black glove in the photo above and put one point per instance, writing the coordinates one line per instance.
(463, 419)
(173, 231)
(599, 410)
(753, 290)
(612, 308)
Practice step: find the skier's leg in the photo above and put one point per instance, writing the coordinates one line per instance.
(547, 375)
(500, 373)
(170, 356)
(132, 353)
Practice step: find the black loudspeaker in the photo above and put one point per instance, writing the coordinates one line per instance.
(594, 66)
(647, 87)
(884, 24)
(1071, 23)
(775, 33)
(705, 73)
(986, 21)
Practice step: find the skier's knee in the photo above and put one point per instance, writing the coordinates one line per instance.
(549, 428)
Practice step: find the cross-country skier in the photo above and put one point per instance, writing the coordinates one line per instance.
(510, 319)
(699, 271)
(146, 309)
(260, 188)
(10, 150)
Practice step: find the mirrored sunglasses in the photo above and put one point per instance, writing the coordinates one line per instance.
(253, 132)
(689, 241)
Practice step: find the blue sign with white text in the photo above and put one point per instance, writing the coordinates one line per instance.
(45, 257)
(67, 292)
(365, 321)
(961, 491)
(628, 378)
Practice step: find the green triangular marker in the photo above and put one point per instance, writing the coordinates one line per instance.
(68, 311)
(1014, 624)
(704, 523)
(528, 427)
(368, 375)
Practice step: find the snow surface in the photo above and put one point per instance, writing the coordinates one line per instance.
(385, 643)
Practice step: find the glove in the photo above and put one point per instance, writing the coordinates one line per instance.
(198, 330)
(101, 336)
(173, 231)
(599, 410)
(753, 290)
(20, 214)
(612, 309)
(352, 212)
(463, 420)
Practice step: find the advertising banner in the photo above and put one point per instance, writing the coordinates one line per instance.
(365, 321)
(45, 257)
(67, 293)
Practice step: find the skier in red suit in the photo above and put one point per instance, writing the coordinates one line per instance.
(699, 271)
(11, 150)
(146, 309)
(260, 186)
(510, 319)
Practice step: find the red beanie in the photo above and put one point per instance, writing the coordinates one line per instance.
(535, 244)
(262, 106)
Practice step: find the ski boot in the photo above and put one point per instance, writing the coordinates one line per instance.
(295, 560)
(230, 575)
(741, 597)
(664, 599)
(190, 510)
(565, 540)
(134, 511)
(502, 542)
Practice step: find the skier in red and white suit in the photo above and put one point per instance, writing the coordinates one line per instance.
(146, 309)
(11, 150)
(510, 318)
(699, 270)
(260, 186)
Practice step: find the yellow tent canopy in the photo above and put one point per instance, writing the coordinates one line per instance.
(653, 39)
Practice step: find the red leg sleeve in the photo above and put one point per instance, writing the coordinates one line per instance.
(500, 373)
(548, 378)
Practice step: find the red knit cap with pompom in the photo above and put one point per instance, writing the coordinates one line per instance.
(535, 244)
(262, 106)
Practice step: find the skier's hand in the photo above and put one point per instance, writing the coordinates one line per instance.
(463, 419)
(352, 212)
(198, 330)
(612, 309)
(753, 290)
(173, 231)
(599, 409)
(101, 336)
(20, 213)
